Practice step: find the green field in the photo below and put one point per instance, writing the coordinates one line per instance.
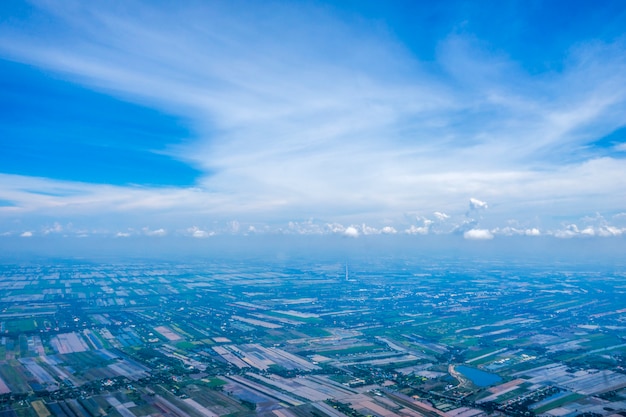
(213, 382)
(309, 320)
(22, 325)
(14, 378)
(350, 350)
(184, 345)
(314, 331)
(559, 402)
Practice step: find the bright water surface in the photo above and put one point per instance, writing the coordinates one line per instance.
(478, 377)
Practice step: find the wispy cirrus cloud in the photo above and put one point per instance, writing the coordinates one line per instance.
(303, 113)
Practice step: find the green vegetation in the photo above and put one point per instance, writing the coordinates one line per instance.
(350, 350)
(14, 378)
(308, 320)
(341, 378)
(213, 383)
(21, 325)
(558, 403)
(185, 345)
(387, 330)
(344, 408)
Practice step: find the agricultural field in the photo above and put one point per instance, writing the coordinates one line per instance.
(89, 340)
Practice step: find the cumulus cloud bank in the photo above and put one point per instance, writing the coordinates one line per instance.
(351, 231)
(157, 232)
(198, 233)
(478, 234)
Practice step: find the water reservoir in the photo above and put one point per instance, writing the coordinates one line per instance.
(478, 377)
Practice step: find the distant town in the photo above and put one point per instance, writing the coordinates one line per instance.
(387, 337)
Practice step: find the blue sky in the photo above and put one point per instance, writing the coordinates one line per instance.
(198, 119)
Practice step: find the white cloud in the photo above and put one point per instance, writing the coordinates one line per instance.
(602, 229)
(608, 231)
(388, 230)
(286, 127)
(234, 226)
(441, 216)
(311, 228)
(478, 234)
(513, 231)
(27, 234)
(368, 230)
(122, 234)
(198, 233)
(335, 228)
(532, 232)
(157, 232)
(476, 204)
(588, 231)
(55, 228)
(569, 231)
(620, 147)
(351, 231)
(416, 230)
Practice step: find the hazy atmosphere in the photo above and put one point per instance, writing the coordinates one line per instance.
(354, 208)
(472, 120)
